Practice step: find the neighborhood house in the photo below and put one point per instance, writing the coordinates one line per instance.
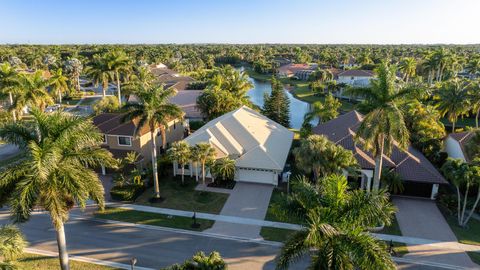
(456, 144)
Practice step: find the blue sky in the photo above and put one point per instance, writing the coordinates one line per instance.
(239, 21)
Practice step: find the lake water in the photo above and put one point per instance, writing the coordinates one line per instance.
(298, 108)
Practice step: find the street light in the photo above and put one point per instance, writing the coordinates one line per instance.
(133, 261)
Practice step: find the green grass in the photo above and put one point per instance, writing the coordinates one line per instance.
(38, 262)
(275, 234)
(474, 256)
(399, 248)
(138, 217)
(393, 229)
(184, 197)
(277, 197)
(89, 101)
(469, 235)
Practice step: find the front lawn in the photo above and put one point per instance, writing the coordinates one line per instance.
(277, 197)
(184, 197)
(393, 229)
(154, 219)
(469, 235)
(275, 234)
(38, 262)
(474, 256)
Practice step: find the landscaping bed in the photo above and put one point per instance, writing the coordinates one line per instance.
(30, 261)
(184, 197)
(138, 217)
(222, 184)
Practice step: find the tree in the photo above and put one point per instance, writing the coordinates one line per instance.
(325, 111)
(154, 110)
(473, 66)
(452, 99)
(12, 244)
(461, 174)
(74, 68)
(100, 73)
(59, 84)
(204, 153)
(56, 173)
(8, 82)
(336, 223)
(224, 167)
(322, 157)
(276, 106)
(474, 97)
(181, 153)
(473, 145)
(141, 77)
(118, 63)
(384, 125)
(408, 66)
(31, 91)
(106, 104)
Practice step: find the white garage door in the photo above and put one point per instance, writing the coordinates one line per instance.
(256, 176)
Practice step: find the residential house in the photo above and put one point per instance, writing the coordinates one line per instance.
(258, 145)
(299, 71)
(456, 144)
(420, 177)
(170, 78)
(354, 78)
(187, 101)
(120, 138)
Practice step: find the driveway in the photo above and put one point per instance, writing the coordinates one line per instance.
(248, 200)
(422, 218)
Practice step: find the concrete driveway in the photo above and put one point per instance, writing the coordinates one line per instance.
(421, 218)
(248, 200)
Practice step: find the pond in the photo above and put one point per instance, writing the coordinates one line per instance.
(298, 108)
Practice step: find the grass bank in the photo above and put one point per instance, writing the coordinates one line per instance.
(39, 262)
(469, 235)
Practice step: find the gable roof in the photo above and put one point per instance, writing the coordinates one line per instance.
(410, 164)
(253, 140)
(187, 101)
(463, 138)
(356, 73)
(111, 124)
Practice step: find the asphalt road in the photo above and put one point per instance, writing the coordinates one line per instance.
(152, 248)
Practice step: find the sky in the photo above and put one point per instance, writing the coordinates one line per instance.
(240, 21)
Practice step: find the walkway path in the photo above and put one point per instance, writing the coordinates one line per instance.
(421, 219)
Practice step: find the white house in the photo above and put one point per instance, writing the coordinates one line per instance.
(258, 145)
(355, 78)
(455, 144)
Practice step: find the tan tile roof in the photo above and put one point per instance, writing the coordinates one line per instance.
(111, 124)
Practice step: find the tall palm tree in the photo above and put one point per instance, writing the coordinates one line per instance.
(204, 153)
(233, 81)
(74, 68)
(474, 97)
(8, 81)
(31, 91)
(141, 77)
(12, 244)
(59, 83)
(100, 73)
(473, 66)
(336, 223)
(452, 99)
(384, 124)
(409, 67)
(118, 63)
(56, 173)
(154, 110)
(181, 153)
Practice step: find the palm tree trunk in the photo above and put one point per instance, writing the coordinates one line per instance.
(473, 208)
(104, 91)
(60, 96)
(11, 105)
(183, 174)
(164, 137)
(378, 166)
(62, 247)
(453, 126)
(465, 202)
(154, 165)
(459, 198)
(203, 172)
(477, 116)
(118, 88)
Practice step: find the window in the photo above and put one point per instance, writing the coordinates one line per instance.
(124, 141)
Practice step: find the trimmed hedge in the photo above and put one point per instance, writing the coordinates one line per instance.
(127, 192)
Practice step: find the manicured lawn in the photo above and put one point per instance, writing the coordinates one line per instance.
(474, 256)
(275, 234)
(38, 262)
(399, 248)
(393, 229)
(139, 217)
(276, 198)
(184, 197)
(469, 235)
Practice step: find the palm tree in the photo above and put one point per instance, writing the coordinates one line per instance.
(322, 157)
(452, 99)
(224, 167)
(384, 124)
(59, 83)
(336, 223)
(8, 81)
(474, 97)
(12, 244)
(233, 81)
(204, 153)
(56, 173)
(473, 66)
(31, 91)
(142, 77)
(118, 63)
(409, 68)
(99, 72)
(325, 111)
(74, 68)
(154, 110)
(181, 153)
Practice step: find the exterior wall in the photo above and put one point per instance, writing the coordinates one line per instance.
(355, 80)
(453, 149)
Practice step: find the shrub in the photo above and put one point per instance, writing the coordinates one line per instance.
(194, 125)
(127, 192)
(106, 104)
(200, 261)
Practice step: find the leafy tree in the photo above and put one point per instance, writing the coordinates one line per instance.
(473, 145)
(107, 104)
(336, 224)
(204, 153)
(452, 99)
(322, 157)
(182, 154)
(59, 84)
(384, 124)
(56, 173)
(473, 66)
(224, 167)
(154, 110)
(12, 244)
(277, 105)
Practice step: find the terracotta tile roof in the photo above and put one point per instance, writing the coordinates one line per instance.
(111, 124)
(410, 164)
(356, 73)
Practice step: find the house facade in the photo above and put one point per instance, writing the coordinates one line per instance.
(456, 143)
(300, 71)
(258, 145)
(354, 78)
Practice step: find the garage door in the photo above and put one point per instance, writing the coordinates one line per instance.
(256, 176)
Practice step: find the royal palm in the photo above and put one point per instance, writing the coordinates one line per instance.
(8, 82)
(100, 73)
(31, 91)
(118, 63)
(59, 83)
(452, 99)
